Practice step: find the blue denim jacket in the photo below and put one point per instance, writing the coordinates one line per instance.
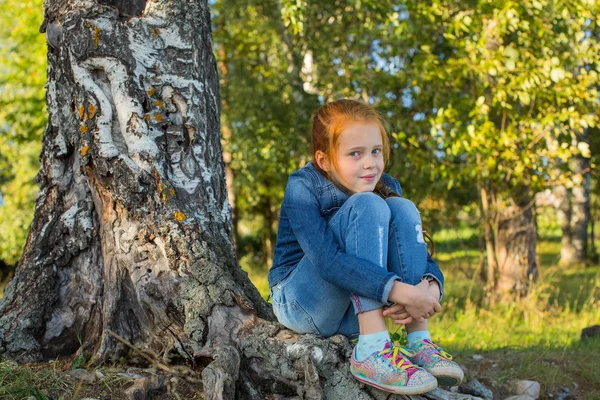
(309, 202)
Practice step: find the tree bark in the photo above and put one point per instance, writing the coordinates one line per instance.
(573, 213)
(487, 215)
(132, 229)
(515, 247)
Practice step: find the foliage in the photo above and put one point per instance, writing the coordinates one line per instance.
(264, 106)
(22, 119)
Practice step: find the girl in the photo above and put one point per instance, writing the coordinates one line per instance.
(350, 251)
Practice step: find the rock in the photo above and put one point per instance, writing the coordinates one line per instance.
(475, 388)
(129, 375)
(83, 375)
(520, 397)
(529, 388)
(99, 375)
(139, 390)
(477, 357)
(441, 394)
(564, 394)
(590, 332)
(143, 387)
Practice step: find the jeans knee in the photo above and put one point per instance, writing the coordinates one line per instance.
(370, 205)
(403, 208)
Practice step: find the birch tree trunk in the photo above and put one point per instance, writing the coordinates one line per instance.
(516, 247)
(132, 227)
(573, 212)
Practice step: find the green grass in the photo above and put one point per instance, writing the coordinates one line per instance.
(17, 382)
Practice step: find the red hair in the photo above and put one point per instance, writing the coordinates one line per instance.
(332, 118)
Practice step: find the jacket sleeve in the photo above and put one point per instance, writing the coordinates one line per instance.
(359, 276)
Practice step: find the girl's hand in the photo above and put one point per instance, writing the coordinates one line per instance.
(417, 300)
(398, 314)
(434, 289)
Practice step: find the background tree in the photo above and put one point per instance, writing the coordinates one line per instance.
(504, 87)
(22, 120)
(266, 111)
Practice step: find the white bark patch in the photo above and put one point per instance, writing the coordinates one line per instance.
(297, 350)
(103, 135)
(179, 82)
(68, 217)
(171, 38)
(129, 111)
(181, 179)
(144, 54)
(43, 230)
(61, 319)
(60, 145)
(317, 355)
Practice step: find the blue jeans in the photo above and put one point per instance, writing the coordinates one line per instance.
(385, 232)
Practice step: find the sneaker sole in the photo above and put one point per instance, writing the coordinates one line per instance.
(424, 388)
(447, 376)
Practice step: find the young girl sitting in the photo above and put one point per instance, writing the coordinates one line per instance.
(350, 251)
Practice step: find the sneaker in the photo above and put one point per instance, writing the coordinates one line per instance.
(390, 370)
(437, 362)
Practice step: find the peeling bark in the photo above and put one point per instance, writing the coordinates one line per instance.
(131, 238)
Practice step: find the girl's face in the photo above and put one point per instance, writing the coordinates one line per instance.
(359, 157)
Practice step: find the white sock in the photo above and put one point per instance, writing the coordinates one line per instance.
(417, 336)
(369, 344)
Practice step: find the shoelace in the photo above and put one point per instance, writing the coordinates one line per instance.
(391, 353)
(430, 345)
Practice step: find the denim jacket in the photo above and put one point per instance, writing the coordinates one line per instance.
(309, 202)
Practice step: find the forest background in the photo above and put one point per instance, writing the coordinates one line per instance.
(493, 114)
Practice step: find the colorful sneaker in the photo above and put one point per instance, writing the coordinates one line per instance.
(391, 371)
(437, 362)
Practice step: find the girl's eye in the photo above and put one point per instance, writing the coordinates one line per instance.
(376, 151)
(354, 154)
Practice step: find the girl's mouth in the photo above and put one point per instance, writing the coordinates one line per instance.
(369, 178)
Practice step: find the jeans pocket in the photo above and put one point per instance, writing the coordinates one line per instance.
(294, 317)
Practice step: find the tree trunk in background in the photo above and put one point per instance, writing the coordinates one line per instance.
(515, 247)
(573, 212)
(487, 215)
(132, 229)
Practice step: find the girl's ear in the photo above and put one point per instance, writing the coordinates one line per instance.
(322, 161)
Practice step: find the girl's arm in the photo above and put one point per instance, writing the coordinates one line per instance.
(354, 274)
(432, 270)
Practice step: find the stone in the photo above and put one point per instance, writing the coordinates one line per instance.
(520, 397)
(83, 375)
(590, 332)
(139, 390)
(129, 375)
(441, 394)
(564, 394)
(476, 388)
(477, 357)
(529, 388)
